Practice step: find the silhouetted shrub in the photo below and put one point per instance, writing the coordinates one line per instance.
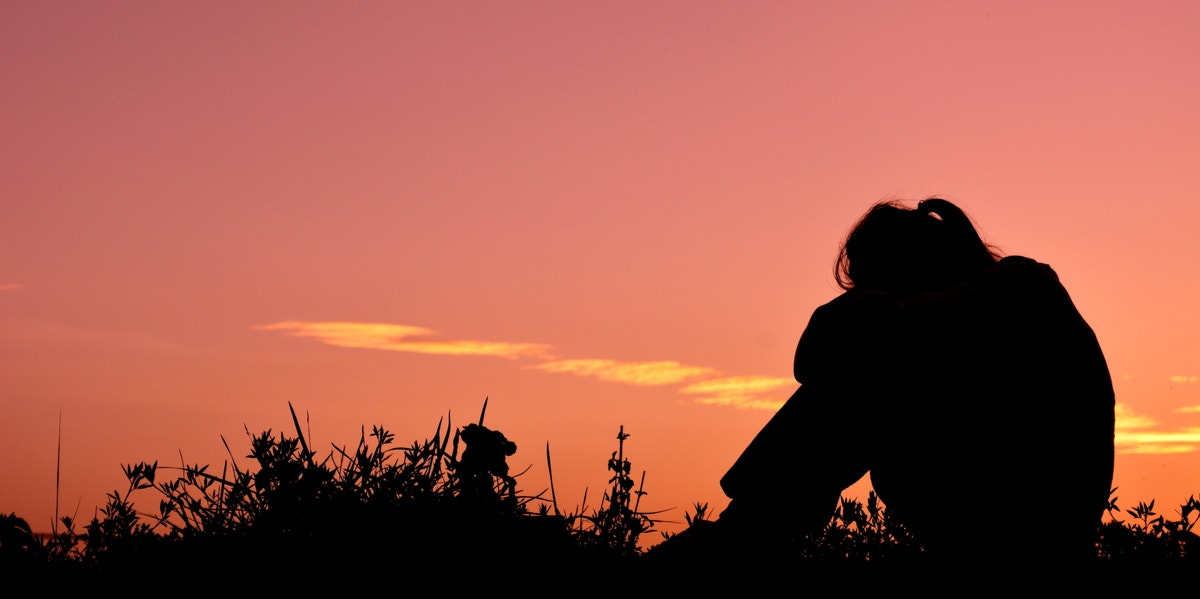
(448, 506)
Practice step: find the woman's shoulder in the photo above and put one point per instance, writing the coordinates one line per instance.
(842, 333)
(1024, 264)
(1010, 275)
(849, 316)
(856, 303)
(1026, 271)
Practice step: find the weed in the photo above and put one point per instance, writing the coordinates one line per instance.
(445, 505)
(618, 524)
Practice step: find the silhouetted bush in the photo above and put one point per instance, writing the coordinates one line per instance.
(448, 506)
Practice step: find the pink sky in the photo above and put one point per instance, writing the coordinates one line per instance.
(595, 213)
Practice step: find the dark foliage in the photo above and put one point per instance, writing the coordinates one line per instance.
(448, 506)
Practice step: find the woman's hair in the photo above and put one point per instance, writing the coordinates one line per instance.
(896, 248)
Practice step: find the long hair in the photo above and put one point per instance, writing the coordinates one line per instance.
(895, 248)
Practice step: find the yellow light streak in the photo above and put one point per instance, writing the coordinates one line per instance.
(652, 373)
(395, 337)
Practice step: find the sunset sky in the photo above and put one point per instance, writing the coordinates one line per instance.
(593, 214)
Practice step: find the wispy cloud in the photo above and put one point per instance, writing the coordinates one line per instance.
(1127, 420)
(1184, 379)
(756, 392)
(706, 386)
(1139, 434)
(1156, 442)
(10, 286)
(1135, 433)
(663, 372)
(398, 338)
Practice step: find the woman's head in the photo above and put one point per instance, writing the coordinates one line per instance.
(897, 248)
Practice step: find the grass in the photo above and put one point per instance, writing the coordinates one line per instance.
(445, 508)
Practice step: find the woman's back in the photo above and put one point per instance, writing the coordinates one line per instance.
(968, 386)
(988, 398)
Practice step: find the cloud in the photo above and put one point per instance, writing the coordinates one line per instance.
(1156, 442)
(754, 392)
(10, 286)
(1184, 379)
(1136, 434)
(396, 337)
(663, 372)
(746, 392)
(1188, 409)
(1127, 420)
(706, 386)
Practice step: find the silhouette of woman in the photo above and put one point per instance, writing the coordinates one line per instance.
(966, 384)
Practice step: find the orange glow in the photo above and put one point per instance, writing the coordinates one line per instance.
(211, 212)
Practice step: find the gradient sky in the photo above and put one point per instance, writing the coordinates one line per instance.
(595, 214)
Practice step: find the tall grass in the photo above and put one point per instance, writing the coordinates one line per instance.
(445, 505)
